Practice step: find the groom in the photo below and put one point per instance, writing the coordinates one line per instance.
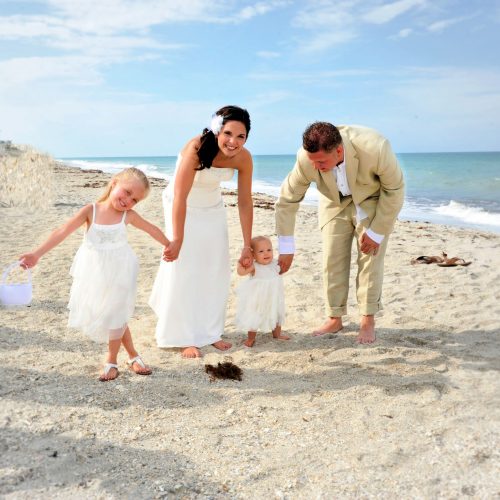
(361, 193)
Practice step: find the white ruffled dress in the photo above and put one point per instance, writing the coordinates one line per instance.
(189, 295)
(104, 270)
(261, 299)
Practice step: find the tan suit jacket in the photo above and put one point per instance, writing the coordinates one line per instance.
(373, 173)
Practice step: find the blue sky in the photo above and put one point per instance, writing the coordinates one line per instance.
(140, 77)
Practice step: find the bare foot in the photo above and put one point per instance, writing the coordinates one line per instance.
(110, 372)
(139, 367)
(191, 352)
(331, 325)
(222, 346)
(249, 342)
(366, 330)
(278, 335)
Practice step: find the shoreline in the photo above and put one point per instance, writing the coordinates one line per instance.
(413, 415)
(314, 204)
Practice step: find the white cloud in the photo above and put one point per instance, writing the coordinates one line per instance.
(404, 33)
(259, 9)
(439, 26)
(326, 40)
(114, 16)
(384, 13)
(326, 15)
(21, 71)
(335, 23)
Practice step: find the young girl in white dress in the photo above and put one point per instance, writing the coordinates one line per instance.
(261, 298)
(104, 269)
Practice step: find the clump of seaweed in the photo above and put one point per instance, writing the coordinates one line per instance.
(226, 370)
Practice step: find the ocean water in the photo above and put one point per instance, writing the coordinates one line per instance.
(461, 189)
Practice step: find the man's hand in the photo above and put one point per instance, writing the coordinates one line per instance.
(367, 245)
(285, 261)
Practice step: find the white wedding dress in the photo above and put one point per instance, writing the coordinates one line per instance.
(189, 295)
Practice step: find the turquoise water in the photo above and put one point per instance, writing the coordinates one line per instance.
(448, 188)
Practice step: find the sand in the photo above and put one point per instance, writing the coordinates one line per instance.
(415, 415)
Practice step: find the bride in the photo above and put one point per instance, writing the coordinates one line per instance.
(191, 288)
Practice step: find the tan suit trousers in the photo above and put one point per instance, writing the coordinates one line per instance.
(337, 236)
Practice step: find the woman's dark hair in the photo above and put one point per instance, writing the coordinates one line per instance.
(209, 147)
(321, 136)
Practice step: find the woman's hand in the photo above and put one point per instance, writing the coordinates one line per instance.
(246, 258)
(171, 251)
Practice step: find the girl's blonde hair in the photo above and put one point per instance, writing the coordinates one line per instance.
(256, 240)
(128, 173)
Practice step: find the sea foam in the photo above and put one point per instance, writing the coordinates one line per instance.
(472, 215)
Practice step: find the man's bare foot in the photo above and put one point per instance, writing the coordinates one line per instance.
(109, 372)
(222, 346)
(191, 352)
(278, 335)
(331, 325)
(249, 342)
(366, 330)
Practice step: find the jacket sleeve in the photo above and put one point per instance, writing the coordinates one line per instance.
(391, 191)
(292, 192)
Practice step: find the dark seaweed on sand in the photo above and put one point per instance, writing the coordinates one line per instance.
(224, 370)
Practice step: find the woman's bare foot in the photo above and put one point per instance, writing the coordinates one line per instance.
(366, 330)
(331, 325)
(109, 372)
(278, 335)
(222, 346)
(191, 352)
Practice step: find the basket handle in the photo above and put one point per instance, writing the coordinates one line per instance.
(9, 268)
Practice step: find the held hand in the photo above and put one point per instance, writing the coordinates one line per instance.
(171, 252)
(285, 261)
(28, 260)
(246, 258)
(367, 245)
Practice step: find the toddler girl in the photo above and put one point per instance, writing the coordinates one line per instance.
(104, 269)
(261, 304)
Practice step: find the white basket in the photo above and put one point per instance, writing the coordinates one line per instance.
(15, 294)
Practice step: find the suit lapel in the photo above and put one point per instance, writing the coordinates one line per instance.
(331, 184)
(352, 162)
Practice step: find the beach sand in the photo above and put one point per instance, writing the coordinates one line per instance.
(416, 415)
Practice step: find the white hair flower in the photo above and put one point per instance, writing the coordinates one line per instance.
(216, 123)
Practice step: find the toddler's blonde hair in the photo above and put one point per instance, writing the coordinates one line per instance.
(128, 173)
(256, 239)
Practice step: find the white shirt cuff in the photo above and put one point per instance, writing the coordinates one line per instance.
(377, 238)
(286, 245)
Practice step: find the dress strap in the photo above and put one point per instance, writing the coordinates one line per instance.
(93, 213)
(124, 215)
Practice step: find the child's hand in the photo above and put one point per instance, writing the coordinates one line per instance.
(171, 251)
(246, 258)
(28, 260)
